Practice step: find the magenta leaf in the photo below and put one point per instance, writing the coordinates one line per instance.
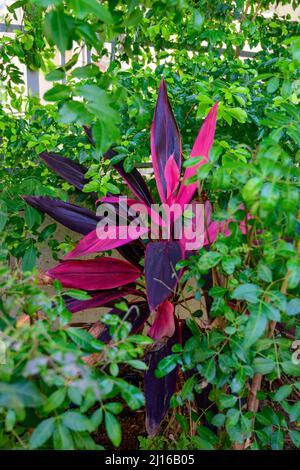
(202, 146)
(95, 274)
(71, 216)
(158, 391)
(172, 175)
(160, 270)
(105, 238)
(165, 140)
(164, 322)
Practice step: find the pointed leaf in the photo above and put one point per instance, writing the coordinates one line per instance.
(71, 171)
(164, 322)
(102, 239)
(165, 140)
(160, 272)
(96, 274)
(97, 299)
(158, 391)
(75, 218)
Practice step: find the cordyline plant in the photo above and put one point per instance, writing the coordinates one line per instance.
(108, 279)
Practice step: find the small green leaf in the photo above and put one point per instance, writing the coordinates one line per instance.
(113, 429)
(42, 433)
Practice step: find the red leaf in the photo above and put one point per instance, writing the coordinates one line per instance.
(164, 323)
(96, 274)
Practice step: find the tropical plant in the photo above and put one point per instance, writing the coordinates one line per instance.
(111, 278)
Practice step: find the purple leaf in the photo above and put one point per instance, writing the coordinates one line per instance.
(165, 140)
(161, 276)
(134, 179)
(98, 299)
(71, 216)
(82, 221)
(158, 392)
(95, 274)
(137, 315)
(71, 171)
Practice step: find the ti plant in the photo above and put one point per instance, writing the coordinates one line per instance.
(108, 279)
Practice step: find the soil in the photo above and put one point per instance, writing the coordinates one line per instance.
(133, 426)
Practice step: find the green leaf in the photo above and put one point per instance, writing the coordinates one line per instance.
(59, 29)
(283, 392)
(295, 435)
(264, 272)
(277, 440)
(29, 259)
(20, 394)
(32, 217)
(137, 364)
(227, 401)
(57, 92)
(55, 400)
(255, 326)
(42, 433)
(76, 421)
(3, 215)
(293, 307)
(62, 438)
(218, 420)
(55, 75)
(209, 370)
(113, 429)
(192, 161)
(295, 412)
(77, 294)
(263, 365)
(166, 365)
(273, 85)
(73, 111)
(290, 369)
(80, 337)
(248, 292)
(114, 408)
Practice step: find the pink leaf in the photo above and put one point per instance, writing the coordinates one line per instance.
(106, 238)
(95, 274)
(164, 323)
(172, 176)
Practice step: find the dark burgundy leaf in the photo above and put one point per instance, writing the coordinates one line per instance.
(137, 316)
(71, 171)
(161, 276)
(75, 218)
(134, 179)
(158, 392)
(133, 252)
(99, 298)
(165, 140)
